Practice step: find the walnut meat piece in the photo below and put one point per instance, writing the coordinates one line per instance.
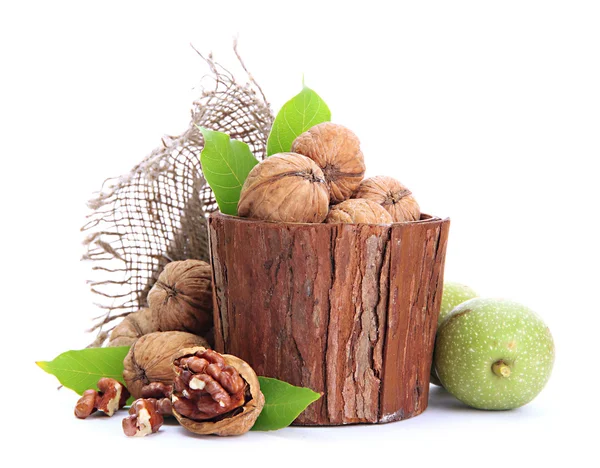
(145, 417)
(150, 359)
(110, 397)
(215, 393)
(285, 187)
(181, 298)
(131, 328)
(358, 211)
(392, 195)
(336, 150)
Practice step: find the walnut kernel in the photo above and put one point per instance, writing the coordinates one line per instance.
(215, 393)
(149, 359)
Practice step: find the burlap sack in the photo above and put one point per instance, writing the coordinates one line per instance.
(157, 212)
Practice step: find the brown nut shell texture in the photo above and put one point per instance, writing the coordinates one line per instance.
(286, 187)
(215, 393)
(357, 211)
(131, 328)
(392, 195)
(336, 150)
(150, 358)
(181, 298)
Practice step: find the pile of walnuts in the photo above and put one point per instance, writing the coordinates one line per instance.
(322, 180)
(170, 370)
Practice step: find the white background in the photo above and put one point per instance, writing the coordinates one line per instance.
(488, 111)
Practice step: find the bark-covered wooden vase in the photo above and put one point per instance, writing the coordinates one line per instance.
(349, 310)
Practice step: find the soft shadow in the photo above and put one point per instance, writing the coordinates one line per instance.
(441, 399)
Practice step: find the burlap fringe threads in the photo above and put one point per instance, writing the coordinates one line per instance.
(157, 212)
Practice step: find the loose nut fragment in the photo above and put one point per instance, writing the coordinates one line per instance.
(392, 195)
(150, 358)
(357, 211)
(286, 187)
(181, 298)
(111, 397)
(336, 150)
(157, 390)
(215, 393)
(145, 418)
(86, 405)
(131, 328)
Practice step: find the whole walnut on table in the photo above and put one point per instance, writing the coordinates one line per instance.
(181, 298)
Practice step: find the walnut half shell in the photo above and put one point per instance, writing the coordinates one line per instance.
(220, 393)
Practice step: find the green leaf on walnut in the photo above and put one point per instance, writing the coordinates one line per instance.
(80, 370)
(303, 111)
(283, 403)
(225, 164)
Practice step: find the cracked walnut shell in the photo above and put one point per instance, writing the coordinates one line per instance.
(150, 358)
(392, 195)
(358, 211)
(336, 150)
(181, 299)
(285, 187)
(215, 393)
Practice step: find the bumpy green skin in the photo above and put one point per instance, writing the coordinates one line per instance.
(452, 295)
(479, 333)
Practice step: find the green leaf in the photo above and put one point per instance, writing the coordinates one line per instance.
(283, 403)
(81, 370)
(300, 113)
(225, 164)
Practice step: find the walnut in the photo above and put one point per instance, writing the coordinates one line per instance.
(131, 328)
(337, 152)
(149, 359)
(286, 187)
(215, 393)
(392, 195)
(357, 211)
(145, 416)
(181, 299)
(112, 395)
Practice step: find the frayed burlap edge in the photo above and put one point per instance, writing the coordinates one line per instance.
(156, 213)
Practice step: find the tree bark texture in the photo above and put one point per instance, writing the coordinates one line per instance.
(348, 310)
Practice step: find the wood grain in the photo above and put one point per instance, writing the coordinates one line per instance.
(346, 310)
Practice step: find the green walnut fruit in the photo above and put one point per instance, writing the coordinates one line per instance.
(493, 354)
(453, 295)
